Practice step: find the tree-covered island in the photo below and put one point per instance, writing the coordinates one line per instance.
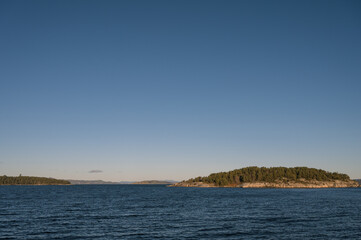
(24, 180)
(274, 177)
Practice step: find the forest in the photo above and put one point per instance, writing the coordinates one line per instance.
(263, 174)
(23, 180)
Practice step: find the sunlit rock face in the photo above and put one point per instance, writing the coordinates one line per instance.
(279, 184)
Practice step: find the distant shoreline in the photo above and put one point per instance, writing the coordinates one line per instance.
(29, 180)
(36, 184)
(155, 182)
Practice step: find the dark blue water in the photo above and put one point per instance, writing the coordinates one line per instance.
(159, 212)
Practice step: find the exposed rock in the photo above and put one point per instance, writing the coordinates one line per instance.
(279, 184)
(302, 184)
(357, 180)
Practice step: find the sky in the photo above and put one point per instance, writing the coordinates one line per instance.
(139, 90)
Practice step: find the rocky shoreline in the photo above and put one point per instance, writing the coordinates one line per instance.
(278, 184)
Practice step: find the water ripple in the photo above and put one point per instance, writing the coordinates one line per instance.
(159, 212)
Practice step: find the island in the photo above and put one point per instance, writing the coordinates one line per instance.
(274, 177)
(24, 180)
(155, 182)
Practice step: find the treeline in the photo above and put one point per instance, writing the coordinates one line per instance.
(23, 180)
(263, 174)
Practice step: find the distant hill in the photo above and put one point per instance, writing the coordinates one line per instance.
(156, 182)
(24, 180)
(272, 177)
(81, 182)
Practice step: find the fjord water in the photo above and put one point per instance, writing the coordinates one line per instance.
(160, 212)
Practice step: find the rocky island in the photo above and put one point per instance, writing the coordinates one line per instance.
(274, 177)
(23, 180)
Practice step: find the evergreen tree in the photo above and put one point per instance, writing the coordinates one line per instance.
(256, 174)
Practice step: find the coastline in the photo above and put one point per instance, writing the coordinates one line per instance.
(277, 184)
(36, 184)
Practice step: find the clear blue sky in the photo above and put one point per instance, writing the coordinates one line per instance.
(134, 90)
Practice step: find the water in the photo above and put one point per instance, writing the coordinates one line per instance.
(159, 212)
